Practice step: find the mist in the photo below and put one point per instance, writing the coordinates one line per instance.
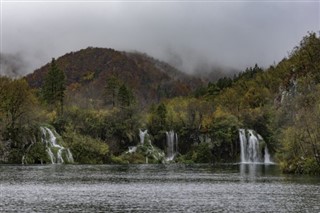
(13, 65)
(192, 36)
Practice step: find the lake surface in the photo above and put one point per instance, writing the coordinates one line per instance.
(155, 188)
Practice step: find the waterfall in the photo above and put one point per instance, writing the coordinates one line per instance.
(142, 135)
(253, 147)
(251, 151)
(50, 140)
(266, 155)
(176, 142)
(132, 149)
(51, 155)
(70, 156)
(172, 144)
(59, 156)
(243, 143)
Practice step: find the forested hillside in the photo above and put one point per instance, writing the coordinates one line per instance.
(106, 96)
(87, 70)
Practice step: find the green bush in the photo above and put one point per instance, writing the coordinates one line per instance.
(202, 154)
(133, 158)
(37, 154)
(85, 149)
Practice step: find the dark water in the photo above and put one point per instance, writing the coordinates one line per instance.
(155, 188)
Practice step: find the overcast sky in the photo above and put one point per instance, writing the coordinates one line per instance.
(233, 34)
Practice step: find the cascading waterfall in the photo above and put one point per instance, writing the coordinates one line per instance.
(176, 142)
(70, 156)
(172, 145)
(266, 155)
(59, 156)
(142, 135)
(251, 151)
(51, 155)
(147, 148)
(50, 140)
(243, 144)
(132, 149)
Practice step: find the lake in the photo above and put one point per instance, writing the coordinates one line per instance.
(156, 188)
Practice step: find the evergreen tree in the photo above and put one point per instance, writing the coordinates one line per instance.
(111, 89)
(125, 96)
(158, 119)
(54, 87)
(162, 114)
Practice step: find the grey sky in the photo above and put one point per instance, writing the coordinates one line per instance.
(234, 34)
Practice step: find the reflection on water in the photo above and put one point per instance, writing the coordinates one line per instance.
(156, 188)
(254, 170)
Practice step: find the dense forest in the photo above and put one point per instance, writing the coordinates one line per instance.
(96, 100)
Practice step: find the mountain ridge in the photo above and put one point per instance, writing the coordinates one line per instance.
(149, 78)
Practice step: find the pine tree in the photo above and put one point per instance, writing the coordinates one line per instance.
(111, 89)
(125, 96)
(54, 87)
(162, 114)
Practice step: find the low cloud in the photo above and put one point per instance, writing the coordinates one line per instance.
(13, 65)
(185, 34)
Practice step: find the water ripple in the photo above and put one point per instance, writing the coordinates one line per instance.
(155, 188)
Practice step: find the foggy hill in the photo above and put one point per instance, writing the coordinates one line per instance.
(86, 72)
